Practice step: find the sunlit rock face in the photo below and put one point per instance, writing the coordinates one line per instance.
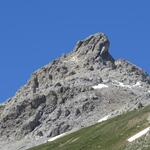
(94, 49)
(61, 96)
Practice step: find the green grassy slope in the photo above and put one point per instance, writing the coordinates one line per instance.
(109, 135)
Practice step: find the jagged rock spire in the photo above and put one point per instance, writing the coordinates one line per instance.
(95, 48)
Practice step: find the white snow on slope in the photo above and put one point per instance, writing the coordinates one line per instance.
(57, 137)
(100, 86)
(117, 83)
(104, 118)
(138, 84)
(138, 135)
(123, 85)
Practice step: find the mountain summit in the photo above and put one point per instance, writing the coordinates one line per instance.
(72, 92)
(94, 49)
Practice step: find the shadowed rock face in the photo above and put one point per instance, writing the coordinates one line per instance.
(59, 97)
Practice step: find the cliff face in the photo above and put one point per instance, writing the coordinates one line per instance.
(62, 96)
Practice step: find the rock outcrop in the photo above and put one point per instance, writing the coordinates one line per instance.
(60, 96)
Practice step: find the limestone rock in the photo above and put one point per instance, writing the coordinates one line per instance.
(60, 96)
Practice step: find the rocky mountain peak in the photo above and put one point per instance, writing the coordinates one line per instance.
(94, 48)
(61, 96)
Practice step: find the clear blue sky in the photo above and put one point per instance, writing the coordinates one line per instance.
(33, 32)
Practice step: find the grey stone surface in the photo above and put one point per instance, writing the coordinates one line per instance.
(59, 97)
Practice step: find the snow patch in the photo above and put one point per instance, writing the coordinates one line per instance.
(138, 135)
(138, 84)
(104, 118)
(57, 137)
(100, 86)
(117, 83)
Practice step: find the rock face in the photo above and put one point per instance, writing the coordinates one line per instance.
(94, 49)
(60, 96)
